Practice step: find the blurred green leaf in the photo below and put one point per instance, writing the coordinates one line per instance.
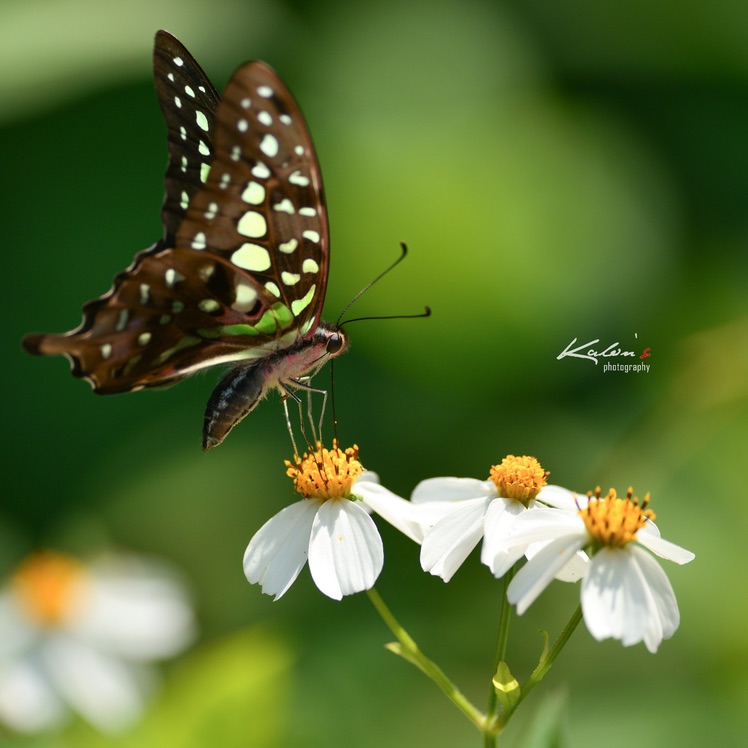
(233, 692)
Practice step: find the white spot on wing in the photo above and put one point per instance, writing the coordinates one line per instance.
(208, 305)
(246, 297)
(144, 338)
(252, 257)
(299, 179)
(188, 90)
(307, 212)
(265, 91)
(145, 293)
(273, 288)
(199, 241)
(299, 305)
(289, 246)
(203, 148)
(260, 171)
(105, 350)
(212, 211)
(269, 145)
(202, 120)
(265, 118)
(252, 224)
(242, 125)
(178, 61)
(285, 206)
(309, 266)
(290, 279)
(206, 271)
(254, 193)
(204, 171)
(313, 236)
(171, 277)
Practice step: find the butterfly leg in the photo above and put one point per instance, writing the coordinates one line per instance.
(288, 393)
(302, 383)
(288, 425)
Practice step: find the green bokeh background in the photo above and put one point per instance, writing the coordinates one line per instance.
(559, 170)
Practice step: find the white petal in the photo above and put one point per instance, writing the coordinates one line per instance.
(540, 570)
(663, 548)
(17, 632)
(28, 703)
(368, 476)
(400, 513)
(278, 551)
(452, 538)
(561, 498)
(542, 525)
(496, 528)
(573, 571)
(627, 596)
(101, 688)
(136, 608)
(345, 551)
(452, 489)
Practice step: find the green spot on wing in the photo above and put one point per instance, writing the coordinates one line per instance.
(277, 317)
(227, 330)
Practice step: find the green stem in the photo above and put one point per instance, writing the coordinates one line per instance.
(544, 665)
(501, 643)
(410, 651)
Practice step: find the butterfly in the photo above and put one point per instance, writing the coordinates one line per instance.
(240, 274)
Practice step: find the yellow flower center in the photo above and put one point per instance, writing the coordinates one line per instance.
(614, 521)
(326, 473)
(48, 586)
(519, 478)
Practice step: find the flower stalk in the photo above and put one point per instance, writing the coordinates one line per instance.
(410, 651)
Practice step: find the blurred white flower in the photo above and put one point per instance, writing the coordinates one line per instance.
(457, 512)
(330, 527)
(625, 594)
(77, 637)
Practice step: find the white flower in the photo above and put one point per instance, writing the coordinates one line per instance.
(458, 512)
(625, 594)
(75, 637)
(330, 528)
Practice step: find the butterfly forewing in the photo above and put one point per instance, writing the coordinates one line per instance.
(242, 269)
(188, 103)
(262, 208)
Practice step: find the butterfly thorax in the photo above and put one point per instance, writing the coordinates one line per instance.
(286, 370)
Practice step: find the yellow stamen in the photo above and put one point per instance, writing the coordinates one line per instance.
(326, 473)
(48, 585)
(519, 478)
(614, 521)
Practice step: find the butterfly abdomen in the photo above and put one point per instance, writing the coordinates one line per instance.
(242, 388)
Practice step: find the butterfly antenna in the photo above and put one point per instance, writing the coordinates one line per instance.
(403, 253)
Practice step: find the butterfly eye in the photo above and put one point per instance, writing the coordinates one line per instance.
(334, 343)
